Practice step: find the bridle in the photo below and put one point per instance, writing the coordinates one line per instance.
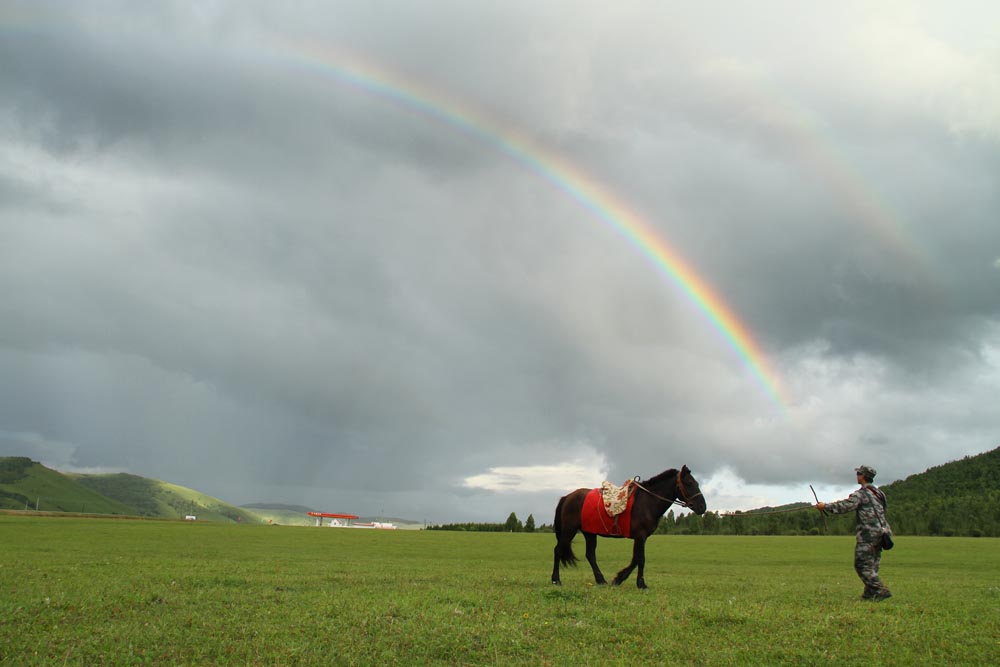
(686, 502)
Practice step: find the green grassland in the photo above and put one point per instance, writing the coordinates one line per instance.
(103, 592)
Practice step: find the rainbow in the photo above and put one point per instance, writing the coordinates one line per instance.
(362, 75)
(814, 149)
(852, 191)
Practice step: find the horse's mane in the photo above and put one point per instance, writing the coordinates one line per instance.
(658, 478)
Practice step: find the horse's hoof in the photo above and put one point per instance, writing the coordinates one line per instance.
(556, 582)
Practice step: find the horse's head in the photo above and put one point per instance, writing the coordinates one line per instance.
(689, 491)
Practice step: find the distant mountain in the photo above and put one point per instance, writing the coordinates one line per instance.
(777, 508)
(26, 484)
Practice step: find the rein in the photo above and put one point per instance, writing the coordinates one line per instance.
(755, 513)
(792, 509)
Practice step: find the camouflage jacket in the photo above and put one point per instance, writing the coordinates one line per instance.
(870, 510)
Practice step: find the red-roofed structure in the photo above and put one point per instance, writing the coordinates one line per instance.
(335, 519)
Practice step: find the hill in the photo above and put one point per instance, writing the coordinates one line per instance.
(26, 484)
(970, 476)
(155, 498)
(284, 515)
(957, 498)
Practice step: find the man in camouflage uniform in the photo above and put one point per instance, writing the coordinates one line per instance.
(869, 503)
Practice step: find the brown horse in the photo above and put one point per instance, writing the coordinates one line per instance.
(652, 499)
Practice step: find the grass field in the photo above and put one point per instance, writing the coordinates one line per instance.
(105, 592)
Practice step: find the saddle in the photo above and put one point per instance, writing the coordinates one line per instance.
(608, 510)
(615, 497)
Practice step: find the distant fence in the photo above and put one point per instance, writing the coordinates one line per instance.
(49, 504)
(80, 515)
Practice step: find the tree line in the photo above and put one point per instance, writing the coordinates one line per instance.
(957, 517)
(961, 498)
(511, 525)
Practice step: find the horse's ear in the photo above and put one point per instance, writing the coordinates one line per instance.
(685, 470)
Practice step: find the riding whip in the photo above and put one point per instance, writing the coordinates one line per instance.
(822, 511)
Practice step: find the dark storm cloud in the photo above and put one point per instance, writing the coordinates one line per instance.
(222, 265)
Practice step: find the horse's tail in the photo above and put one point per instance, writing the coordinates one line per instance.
(564, 550)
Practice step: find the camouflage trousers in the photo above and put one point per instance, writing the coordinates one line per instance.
(867, 558)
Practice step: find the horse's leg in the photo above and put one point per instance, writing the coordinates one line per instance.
(555, 562)
(638, 560)
(639, 557)
(591, 539)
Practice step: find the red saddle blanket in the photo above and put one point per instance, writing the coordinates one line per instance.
(595, 519)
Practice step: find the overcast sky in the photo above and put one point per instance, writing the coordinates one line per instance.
(352, 255)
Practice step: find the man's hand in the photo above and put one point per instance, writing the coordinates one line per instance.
(820, 506)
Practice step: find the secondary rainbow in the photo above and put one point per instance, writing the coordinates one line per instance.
(561, 174)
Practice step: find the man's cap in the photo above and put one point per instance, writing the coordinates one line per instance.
(865, 471)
